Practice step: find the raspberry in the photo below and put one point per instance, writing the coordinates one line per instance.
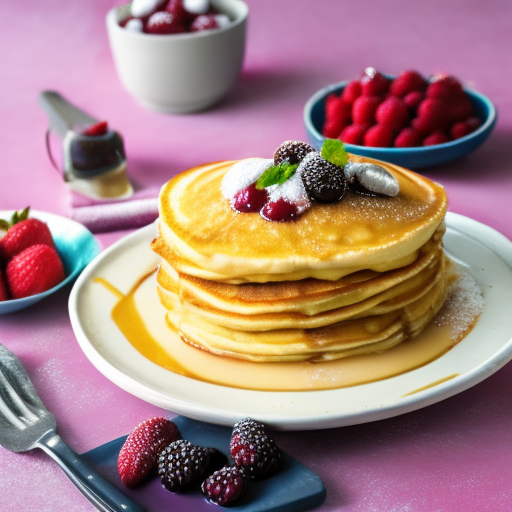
(473, 123)
(337, 116)
(460, 129)
(226, 486)
(163, 22)
(181, 15)
(351, 92)
(407, 82)
(392, 112)
(292, 151)
(138, 455)
(279, 211)
(445, 88)
(435, 138)
(252, 449)
(182, 463)
(249, 199)
(413, 99)
(354, 133)
(374, 83)
(460, 109)
(408, 138)
(364, 108)
(378, 136)
(324, 182)
(432, 117)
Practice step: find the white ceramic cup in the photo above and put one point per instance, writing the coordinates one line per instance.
(180, 73)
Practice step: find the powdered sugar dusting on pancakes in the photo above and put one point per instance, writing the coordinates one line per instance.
(242, 174)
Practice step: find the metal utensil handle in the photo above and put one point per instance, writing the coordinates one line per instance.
(63, 116)
(101, 493)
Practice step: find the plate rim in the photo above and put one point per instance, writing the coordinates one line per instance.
(498, 243)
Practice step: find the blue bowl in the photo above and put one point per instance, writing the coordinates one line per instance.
(411, 158)
(76, 247)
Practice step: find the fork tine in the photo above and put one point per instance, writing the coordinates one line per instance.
(20, 414)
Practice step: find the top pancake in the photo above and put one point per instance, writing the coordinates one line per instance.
(201, 235)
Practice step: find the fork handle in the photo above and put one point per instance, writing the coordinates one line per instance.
(101, 493)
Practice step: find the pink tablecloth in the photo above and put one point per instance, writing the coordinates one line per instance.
(455, 455)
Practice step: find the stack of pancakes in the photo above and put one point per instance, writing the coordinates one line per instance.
(357, 276)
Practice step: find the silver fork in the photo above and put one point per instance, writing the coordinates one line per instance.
(25, 423)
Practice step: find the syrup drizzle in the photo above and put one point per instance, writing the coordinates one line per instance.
(141, 318)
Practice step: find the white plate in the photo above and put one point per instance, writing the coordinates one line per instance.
(486, 254)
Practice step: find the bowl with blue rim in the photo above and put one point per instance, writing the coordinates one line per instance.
(411, 157)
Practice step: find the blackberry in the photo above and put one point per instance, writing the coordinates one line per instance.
(324, 182)
(226, 486)
(292, 151)
(252, 449)
(182, 463)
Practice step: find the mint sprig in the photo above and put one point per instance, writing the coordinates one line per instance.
(334, 151)
(276, 175)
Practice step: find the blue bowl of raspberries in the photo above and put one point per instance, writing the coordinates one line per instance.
(408, 120)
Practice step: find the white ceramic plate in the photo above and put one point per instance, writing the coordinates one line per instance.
(486, 254)
(75, 244)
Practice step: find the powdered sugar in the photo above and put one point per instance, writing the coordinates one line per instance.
(196, 6)
(292, 191)
(242, 174)
(464, 304)
(142, 8)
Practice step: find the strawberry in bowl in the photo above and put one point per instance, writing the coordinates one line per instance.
(39, 253)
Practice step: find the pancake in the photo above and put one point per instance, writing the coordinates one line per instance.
(355, 276)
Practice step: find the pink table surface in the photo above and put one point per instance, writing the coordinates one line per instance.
(455, 455)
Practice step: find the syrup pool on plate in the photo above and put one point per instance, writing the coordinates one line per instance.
(141, 318)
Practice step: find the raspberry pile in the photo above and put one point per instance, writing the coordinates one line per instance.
(156, 446)
(29, 261)
(173, 17)
(407, 111)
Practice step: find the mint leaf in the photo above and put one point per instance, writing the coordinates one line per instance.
(276, 175)
(334, 151)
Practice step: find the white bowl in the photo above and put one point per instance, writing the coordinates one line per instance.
(180, 73)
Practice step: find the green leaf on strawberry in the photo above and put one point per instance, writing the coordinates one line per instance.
(276, 175)
(334, 151)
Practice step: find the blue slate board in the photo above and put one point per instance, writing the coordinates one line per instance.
(294, 488)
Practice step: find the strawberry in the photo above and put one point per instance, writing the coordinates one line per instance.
(34, 270)
(407, 82)
(176, 8)
(204, 22)
(138, 455)
(374, 83)
(392, 112)
(4, 291)
(380, 136)
(473, 122)
(22, 232)
(408, 138)
(96, 130)
(351, 92)
(460, 109)
(435, 138)
(354, 133)
(364, 108)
